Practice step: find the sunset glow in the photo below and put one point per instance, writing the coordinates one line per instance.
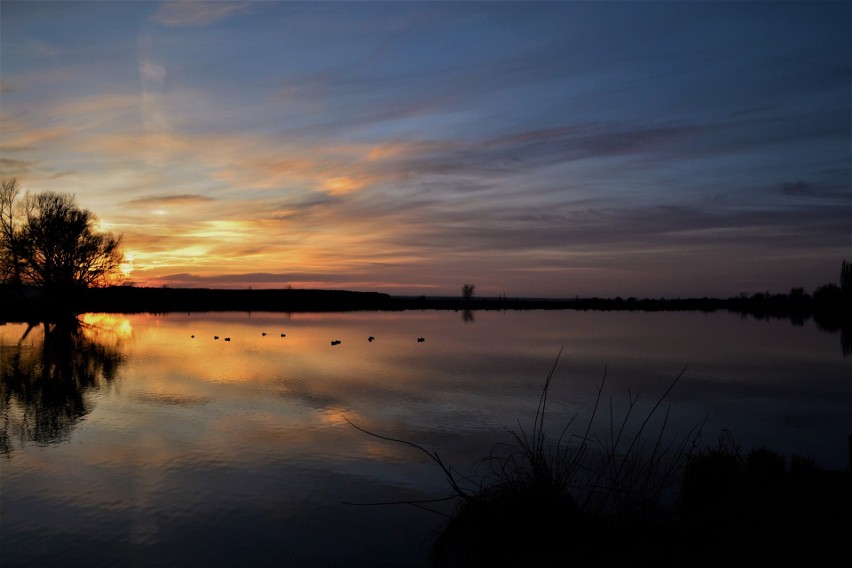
(536, 149)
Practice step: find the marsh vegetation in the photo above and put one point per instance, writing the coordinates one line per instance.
(633, 497)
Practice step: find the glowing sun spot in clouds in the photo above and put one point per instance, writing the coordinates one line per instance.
(342, 185)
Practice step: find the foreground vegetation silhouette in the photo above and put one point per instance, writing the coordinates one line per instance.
(636, 499)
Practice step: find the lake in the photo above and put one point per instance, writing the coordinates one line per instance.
(129, 441)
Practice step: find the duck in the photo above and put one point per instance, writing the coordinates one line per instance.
(335, 342)
(421, 339)
(227, 339)
(370, 339)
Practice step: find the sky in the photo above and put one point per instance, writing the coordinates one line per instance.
(552, 149)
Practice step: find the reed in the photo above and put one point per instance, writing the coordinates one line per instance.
(535, 494)
(544, 500)
(635, 495)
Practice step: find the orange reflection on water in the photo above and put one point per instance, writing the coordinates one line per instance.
(102, 326)
(261, 348)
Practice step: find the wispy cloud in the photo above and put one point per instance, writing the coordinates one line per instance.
(196, 12)
(12, 168)
(820, 191)
(163, 200)
(17, 139)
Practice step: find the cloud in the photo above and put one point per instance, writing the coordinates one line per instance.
(38, 126)
(166, 200)
(18, 136)
(196, 12)
(152, 75)
(93, 108)
(820, 191)
(352, 280)
(35, 48)
(12, 168)
(658, 143)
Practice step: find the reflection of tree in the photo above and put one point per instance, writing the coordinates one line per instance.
(467, 316)
(45, 385)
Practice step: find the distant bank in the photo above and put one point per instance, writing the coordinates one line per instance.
(30, 301)
(829, 305)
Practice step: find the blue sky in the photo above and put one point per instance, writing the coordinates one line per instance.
(534, 149)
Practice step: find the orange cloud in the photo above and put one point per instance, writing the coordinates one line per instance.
(342, 185)
(17, 137)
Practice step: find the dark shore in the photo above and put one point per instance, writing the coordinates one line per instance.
(828, 306)
(797, 519)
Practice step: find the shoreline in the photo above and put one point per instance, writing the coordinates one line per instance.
(30, 304)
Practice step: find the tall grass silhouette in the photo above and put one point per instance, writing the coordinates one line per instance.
(538, 499)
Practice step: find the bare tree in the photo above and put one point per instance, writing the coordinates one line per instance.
(468, 291)
(48, 241)
(9, 257)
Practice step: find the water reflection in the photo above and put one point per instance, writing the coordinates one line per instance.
(47, 376)
(216, 452)
(838, 323)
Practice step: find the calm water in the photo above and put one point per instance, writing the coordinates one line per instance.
(127, 441)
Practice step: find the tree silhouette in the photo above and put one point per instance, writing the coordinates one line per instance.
(48, 241)
(468, 291)
(9, 257)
